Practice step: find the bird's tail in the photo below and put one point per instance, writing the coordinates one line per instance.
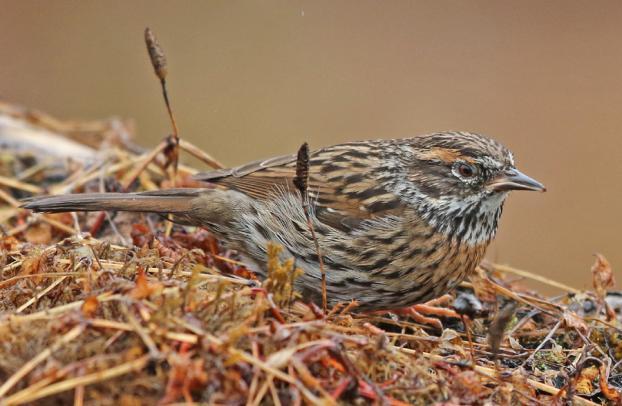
(161, 201)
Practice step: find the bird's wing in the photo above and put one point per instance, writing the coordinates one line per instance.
(341, 183)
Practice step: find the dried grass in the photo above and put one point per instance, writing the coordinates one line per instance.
(86, 319)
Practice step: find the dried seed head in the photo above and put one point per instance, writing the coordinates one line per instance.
(497, 327)
(302, 169)
(156, 54)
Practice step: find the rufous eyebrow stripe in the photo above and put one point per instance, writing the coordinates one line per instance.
(443, 154)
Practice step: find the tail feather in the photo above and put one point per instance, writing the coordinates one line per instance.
(163, 201)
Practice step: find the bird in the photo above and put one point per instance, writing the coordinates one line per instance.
(399, 221)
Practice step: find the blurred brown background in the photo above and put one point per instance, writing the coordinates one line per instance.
(254, 79)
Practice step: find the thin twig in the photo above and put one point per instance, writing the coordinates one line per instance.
(54, 311)
(25, 395)
(497, 327)
(158, 60)
(492, 373)
(16, 184)
(40, 294)
(144, 336)
(542, 343)
(145, 161)
(301, 182)
(57, 224)
(200, 154)
(9, 199)
(535, 277)
(30, 365)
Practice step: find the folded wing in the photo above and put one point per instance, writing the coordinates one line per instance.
(342, 183)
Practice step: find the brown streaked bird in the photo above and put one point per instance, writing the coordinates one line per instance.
(399, 222)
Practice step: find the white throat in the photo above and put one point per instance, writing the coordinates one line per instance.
(472, 221)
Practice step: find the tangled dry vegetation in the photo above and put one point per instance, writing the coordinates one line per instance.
(127, 309)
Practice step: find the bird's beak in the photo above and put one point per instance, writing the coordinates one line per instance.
(513, 179)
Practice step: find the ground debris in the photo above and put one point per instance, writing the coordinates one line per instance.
(133, 314)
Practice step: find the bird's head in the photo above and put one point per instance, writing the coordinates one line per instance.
(456, 178)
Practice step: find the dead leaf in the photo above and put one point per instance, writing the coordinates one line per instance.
(9, 243)
(610, 393)
(482, 287)
(281, 358)
(602, 276)
(515, 345)
(572, 320)
(89, 307)
(186, 375)
(31, 265)
(39, 233)
(144, 288)
(130, 400)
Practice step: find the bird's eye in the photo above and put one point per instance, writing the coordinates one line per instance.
(466, 171)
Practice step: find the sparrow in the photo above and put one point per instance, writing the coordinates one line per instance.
(399, 222)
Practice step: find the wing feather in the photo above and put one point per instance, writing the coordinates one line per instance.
(341, 183)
